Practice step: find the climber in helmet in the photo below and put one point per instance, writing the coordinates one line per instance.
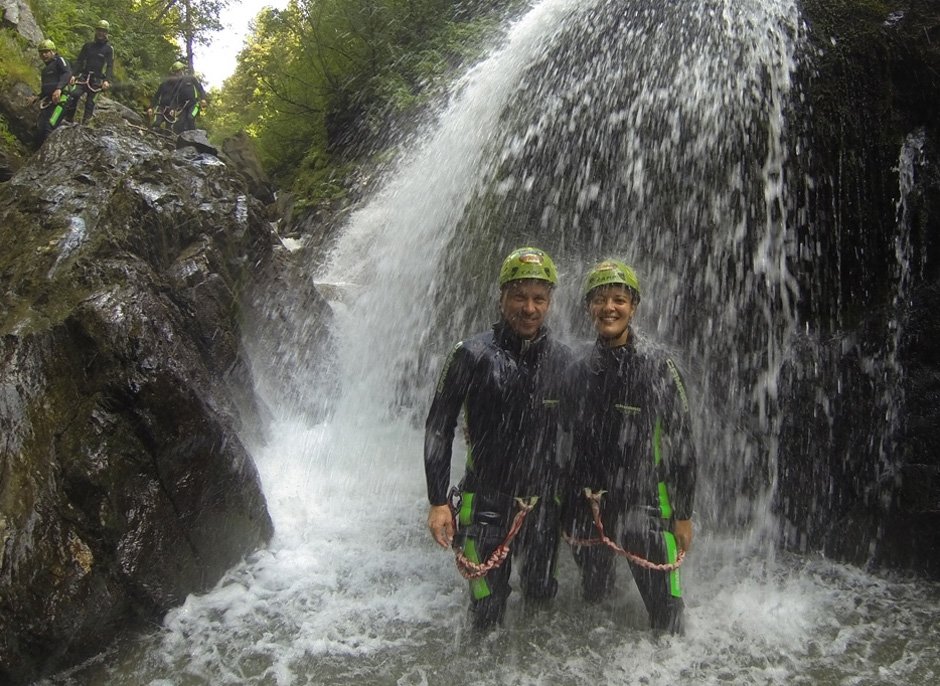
(627, 413)
(54, 79)
(162, 110)
(190, 100)
(94, 71)
(506, 382)
(178, 100)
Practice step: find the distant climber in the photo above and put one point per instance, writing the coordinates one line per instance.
(54, 79)
(94, 71)
(178, 101)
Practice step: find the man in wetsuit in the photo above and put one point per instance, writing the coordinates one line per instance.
(162, 110)
(53, 79)
(190, 100)
(94, 70)
(178, 100)
(628, 414)
(507, 382)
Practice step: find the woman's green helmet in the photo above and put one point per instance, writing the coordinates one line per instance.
(528, 263)
(610, 272)
(46, 45)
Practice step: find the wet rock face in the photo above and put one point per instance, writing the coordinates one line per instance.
(17, 15)
(123, 389)
(859, 473)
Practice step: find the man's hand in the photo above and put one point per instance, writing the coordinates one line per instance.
(441, 524)
(682, 530)
(105, 85)
(56, 94)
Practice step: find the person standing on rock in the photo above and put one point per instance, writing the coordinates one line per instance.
(94, 69)
(54, 78)
(632, 471)
(506, 382)
(190, 100)
(162, 110)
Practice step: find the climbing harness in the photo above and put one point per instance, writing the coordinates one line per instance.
(472, 570)
(595, 500)
(59, 106)
(85, 80)
(167, 114)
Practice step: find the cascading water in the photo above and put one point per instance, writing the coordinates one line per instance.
(656, 132)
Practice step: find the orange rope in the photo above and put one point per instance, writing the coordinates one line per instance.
(472, 570)
(602, 539)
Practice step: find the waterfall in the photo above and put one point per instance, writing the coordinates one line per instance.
(654, 131)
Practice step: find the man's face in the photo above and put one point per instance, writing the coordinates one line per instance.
(524, 305)
(611, 308)
(101, 35)
(46, 55)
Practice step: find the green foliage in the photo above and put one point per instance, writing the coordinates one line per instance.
(147, 35)
(16, 64)
(323, 84)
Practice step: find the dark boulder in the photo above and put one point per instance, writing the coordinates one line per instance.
(241, 150)
(124, 389)
(19, 108)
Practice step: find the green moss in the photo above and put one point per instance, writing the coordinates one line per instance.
(16, 64)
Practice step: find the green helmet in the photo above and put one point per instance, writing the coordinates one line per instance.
(528, 263)
(103, 25)
(46, 45)
(177, 66)
(611, 272)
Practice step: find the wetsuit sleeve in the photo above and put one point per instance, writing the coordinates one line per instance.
(571, 455)
(109, 65)
(64, 73)
(439, 429)
(680, 454)
(162, 96)
(81, 59)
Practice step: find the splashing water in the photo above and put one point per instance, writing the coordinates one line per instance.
(652, 131)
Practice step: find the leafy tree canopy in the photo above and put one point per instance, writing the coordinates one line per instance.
(322, 84)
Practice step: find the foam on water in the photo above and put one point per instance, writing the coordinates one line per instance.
(353, 591)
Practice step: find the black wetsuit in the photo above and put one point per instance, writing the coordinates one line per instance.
(96, 62)
(509, 390)
(189, 95)
(54, 77)
(628, 414)
(164, 102)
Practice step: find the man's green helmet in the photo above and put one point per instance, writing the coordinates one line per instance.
(177, 66)
(528, 263)
(610, 272)
(46, 45)
(103, 25)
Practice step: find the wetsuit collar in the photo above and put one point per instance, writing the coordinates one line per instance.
(513, 342)
(602, 357)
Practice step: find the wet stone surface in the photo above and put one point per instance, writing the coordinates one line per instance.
(123, 389)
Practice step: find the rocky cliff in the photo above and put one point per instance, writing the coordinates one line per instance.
(124, 483)
(859, 475)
